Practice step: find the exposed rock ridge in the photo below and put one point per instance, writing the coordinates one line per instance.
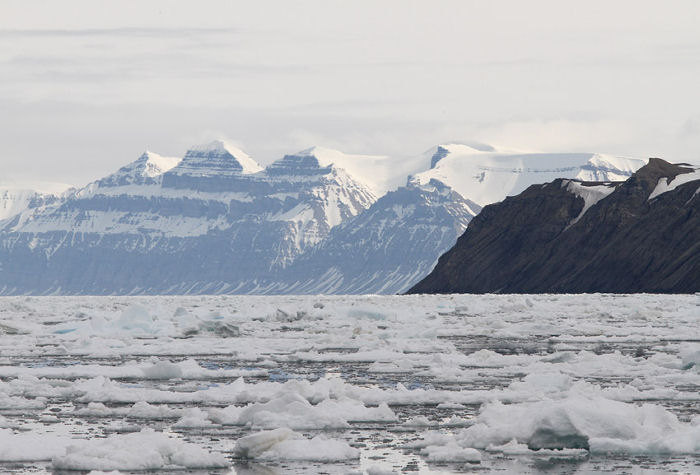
(623, 243)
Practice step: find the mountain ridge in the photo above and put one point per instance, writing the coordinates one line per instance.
(546, 240)
(214, 221)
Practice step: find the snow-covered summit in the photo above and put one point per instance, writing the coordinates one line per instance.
(215, 167)
(146, 169)
(487, 175)
(217, 157)
(377, 172)
(154, 164)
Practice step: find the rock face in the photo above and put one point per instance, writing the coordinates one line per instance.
(386, 248)
(211, 222)
(640, 235)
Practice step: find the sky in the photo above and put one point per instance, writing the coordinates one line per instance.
(86, 85)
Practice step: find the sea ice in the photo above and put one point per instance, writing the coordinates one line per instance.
(285, 444)
(19, 447)
(515, 377)
(145, 450)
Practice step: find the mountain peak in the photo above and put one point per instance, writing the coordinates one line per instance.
(153, 164)
(217, 157)
(657, 168)
(146, 169)
(374, 171)
(661, 176)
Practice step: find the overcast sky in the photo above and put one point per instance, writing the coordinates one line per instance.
(86, 86)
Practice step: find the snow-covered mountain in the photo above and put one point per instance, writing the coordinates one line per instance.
(487, 175)
(571, 236)
(147, 170)
(385, 249)
(389, 247)
(214, 221)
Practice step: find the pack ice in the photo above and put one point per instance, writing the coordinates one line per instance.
(339, 384)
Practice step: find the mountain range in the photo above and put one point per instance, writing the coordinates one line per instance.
(215, 221)
(574, 236)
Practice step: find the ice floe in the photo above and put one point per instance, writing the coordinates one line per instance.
(367, 382)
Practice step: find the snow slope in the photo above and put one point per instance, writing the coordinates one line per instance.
(25, 198)
(669, 184)
(487, 175)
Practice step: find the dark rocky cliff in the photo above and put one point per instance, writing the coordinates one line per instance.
(547, 239)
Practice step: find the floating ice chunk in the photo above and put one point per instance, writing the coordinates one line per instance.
(140, 410)
(318, 449)
(289, 410)
(218, 328)
(16, 402)
(193, 418)
(451, 453)
(144, 410)
(511, 448)
(5, 424)
(145, 450)
(549, 382)
(355, 411)
(252, 446)
(684, 440)
(285, 444)
(690, 355)
(417, 421)
(162, 370)
(94, 409)
(431, 437)
(134, 320)
(582, 422)
(456, 421)
(136, 317)
(25, 447)
(290, 405)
